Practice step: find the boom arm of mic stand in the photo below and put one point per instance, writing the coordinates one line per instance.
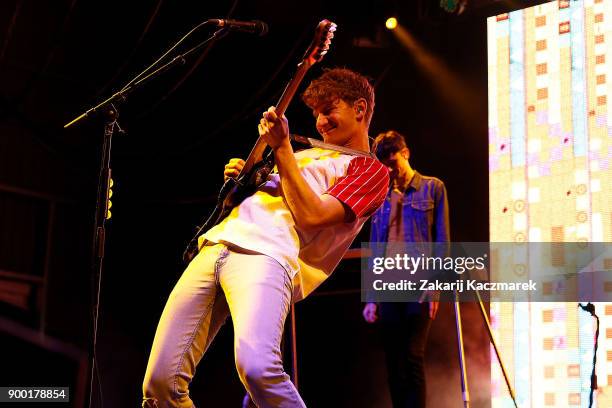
(121, 95)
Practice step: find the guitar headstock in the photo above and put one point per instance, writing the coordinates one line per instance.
(320, 43)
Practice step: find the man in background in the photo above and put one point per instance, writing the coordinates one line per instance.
(415, 210)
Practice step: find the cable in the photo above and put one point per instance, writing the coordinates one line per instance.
(243, 114)
(591, 309)
(150, 67)
(145, 31)
(197, 63)
(10, 29)
(57, 39)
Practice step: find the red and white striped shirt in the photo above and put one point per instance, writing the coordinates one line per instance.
(263, 223)
(364, 187)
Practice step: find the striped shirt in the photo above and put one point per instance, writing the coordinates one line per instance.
(366, 179)
(263, 223)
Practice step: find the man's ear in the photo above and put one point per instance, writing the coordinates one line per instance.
(406, 153)
(360, 107)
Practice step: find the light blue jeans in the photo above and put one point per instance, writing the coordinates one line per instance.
(256, 291)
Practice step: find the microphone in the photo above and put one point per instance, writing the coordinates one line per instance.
(256, 27)
(588, 308)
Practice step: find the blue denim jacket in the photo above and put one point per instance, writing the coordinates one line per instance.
(425, 214)
(425, 218)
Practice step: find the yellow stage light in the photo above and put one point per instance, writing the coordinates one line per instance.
(391, 23)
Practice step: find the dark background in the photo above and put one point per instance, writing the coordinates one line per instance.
(58, 58)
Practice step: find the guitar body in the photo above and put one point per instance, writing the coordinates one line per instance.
(258, 166)
(233, 192)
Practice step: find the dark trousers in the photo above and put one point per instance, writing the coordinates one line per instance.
(405, 327)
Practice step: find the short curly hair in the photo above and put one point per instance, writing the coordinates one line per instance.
(340, 83)
(388, 143)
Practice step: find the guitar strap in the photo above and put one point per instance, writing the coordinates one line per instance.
(310, 142)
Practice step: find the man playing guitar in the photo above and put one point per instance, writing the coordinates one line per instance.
(272, 249)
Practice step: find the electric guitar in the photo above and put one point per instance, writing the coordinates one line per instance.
(260, 161)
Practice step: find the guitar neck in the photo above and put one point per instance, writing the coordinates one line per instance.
(291, 88)
(256, 154)
(319, 47)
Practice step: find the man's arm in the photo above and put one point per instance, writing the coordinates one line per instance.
(441, 238)
(233, 168)
(309, 209)
(370, 312)
(441, 219)
(377, 249)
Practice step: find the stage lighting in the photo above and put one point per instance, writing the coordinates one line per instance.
(391, 23)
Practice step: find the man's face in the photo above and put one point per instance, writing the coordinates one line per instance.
(397, 162)
(336, 121)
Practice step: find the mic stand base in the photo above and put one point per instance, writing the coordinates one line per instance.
(462, 364)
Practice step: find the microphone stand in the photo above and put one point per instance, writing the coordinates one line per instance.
(461, 352)
(104, 180)
(101, 216)
(590, 307)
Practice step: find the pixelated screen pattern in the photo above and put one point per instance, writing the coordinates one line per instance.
(550, 146)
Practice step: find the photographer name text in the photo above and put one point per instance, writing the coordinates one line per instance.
(459, 285)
